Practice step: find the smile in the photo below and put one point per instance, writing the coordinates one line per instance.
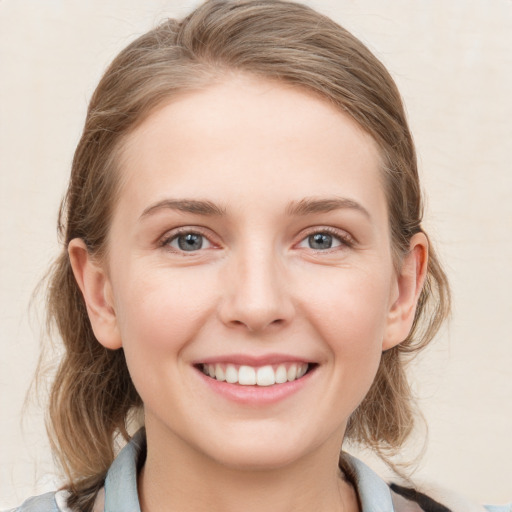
(244, 375)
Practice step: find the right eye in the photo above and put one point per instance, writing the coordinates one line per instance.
(322, 241)
(189, 241)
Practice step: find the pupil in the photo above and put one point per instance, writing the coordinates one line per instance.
(320, 241)
(190, 242)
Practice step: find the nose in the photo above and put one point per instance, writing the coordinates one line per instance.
(257, 295)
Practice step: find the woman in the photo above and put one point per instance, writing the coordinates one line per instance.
(244, 261)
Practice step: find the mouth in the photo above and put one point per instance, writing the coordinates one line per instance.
(263, 376)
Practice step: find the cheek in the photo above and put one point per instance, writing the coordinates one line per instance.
(159, 313)
(158, 316)
(350, 314)
(351, 308)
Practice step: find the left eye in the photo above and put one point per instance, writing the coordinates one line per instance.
(189, 242)
(321, 241)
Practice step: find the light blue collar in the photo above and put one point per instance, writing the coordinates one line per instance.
(121, 482)
(374, 493)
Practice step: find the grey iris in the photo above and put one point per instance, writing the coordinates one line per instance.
(320, 241)
(190, 242)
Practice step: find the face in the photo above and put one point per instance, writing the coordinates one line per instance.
(249, 276)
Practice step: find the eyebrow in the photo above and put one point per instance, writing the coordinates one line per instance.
(311, 205)
(306, 206)
(195, 206)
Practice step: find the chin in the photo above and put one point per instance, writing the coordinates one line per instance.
(257, 460)
(259, 452)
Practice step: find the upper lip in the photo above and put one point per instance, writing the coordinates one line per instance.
(251, 360)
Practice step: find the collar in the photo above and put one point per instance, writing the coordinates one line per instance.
(374, 493)
(121, 481)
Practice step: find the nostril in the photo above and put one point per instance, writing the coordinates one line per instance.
(257, 324)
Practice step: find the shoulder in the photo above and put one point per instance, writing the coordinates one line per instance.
(377, 495)
(432, 498)
(43, 503)
(48, 502)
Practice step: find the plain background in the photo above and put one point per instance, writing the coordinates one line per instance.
(452, 61)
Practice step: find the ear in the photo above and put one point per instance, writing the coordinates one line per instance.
(409, 283)
(97, 292)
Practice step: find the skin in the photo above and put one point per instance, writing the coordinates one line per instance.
(255, 149)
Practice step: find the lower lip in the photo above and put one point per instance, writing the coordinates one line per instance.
(256, 395)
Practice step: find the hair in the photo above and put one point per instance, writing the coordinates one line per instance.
(93, 397)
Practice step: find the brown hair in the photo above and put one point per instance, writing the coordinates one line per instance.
(93, 396)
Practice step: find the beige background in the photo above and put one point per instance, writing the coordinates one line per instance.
(452, 61)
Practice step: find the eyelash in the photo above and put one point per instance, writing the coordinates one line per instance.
(170, 237)
(346, 240)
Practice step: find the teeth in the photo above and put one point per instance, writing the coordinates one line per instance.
(246, 376)
(291, 374)
(219, 373)
(262, 376)
(265, 376)
(231, 374)
(281, 374)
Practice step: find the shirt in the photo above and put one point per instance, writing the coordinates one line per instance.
(120, 491)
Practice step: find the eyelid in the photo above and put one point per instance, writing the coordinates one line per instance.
(346, 239)
(169, 236)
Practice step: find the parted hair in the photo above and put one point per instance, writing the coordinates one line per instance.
(92, 396)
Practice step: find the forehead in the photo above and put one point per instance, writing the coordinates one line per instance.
(248, 136)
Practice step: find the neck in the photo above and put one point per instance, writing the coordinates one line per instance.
(181, 479)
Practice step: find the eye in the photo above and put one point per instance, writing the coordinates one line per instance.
(324, 240)
(188, 241)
